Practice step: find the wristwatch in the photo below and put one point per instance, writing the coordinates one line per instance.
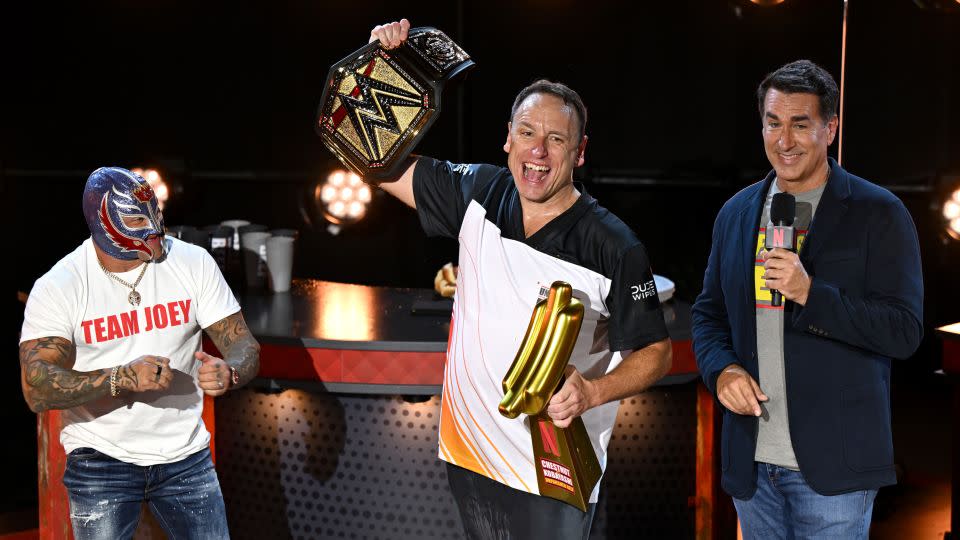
(234, 376)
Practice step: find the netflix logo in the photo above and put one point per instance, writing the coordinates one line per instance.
(780, 237)
(121, 325)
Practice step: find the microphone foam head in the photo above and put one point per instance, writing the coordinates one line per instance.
(783, 209)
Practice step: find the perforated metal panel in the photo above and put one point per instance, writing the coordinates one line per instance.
(304, 465)
(308, 465)
(651, 469)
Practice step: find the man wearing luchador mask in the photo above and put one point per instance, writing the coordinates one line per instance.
(112, 337)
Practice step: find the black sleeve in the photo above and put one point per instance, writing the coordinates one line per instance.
(636, 319)
(443, 190)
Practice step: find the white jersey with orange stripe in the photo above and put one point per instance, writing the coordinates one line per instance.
(473, 433)
(502, 275)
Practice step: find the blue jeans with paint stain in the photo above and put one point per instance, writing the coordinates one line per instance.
(785, 506)
(106, 496)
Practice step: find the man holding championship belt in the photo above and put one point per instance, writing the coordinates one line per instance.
(520, 229)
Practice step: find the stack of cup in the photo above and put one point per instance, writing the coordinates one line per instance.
(221, 246)
(267, 256)
(253, 244)
(280, 262)
(235, 224)
(235, 260)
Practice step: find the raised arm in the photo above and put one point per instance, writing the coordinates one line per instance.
(50, 382)
(392, 35)
(402, 187)
(240, 351)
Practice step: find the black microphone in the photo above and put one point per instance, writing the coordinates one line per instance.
(783, 210)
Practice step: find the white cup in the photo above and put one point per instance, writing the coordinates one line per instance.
(235, 224)
(280, 262)
(254, 252)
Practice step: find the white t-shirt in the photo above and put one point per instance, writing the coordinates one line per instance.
(181, 295)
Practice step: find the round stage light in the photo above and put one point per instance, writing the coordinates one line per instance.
(156, 182)
(343, 198)
(951, 214)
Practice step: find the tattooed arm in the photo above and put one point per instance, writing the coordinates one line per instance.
(49, 381)
(239, 349)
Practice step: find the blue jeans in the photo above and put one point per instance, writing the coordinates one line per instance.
(784, 506)
(106, 496)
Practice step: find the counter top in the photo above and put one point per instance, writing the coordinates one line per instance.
(360, 338)
(328, 315)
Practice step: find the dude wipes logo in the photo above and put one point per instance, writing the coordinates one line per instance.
(544, 292)
(644, 290)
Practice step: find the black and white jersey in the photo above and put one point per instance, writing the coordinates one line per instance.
(502, 275)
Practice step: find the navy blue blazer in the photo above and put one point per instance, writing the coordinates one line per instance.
(864, 308)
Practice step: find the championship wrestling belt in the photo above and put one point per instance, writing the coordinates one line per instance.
(567, 467)
(378, 104)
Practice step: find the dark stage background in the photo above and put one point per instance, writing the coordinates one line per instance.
(221, 97)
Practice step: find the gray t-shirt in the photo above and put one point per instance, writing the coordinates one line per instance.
(773, 435)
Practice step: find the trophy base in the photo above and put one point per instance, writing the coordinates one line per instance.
(567, 467)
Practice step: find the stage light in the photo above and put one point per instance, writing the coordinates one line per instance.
(767, 2)
(951, 214)
(156, 182)
(343, 198)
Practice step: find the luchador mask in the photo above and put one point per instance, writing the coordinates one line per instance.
(112, 201)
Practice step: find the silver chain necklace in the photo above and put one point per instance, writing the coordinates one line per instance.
(134, 296)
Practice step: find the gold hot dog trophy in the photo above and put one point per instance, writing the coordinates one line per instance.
(567, 467)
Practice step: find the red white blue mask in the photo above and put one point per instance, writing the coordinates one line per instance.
(114, 201)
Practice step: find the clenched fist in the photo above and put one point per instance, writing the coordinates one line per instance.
(148, 372)
(391, 35)
(572, 400)
(214, 374)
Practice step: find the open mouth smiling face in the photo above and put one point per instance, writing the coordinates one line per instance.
(544, 146)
